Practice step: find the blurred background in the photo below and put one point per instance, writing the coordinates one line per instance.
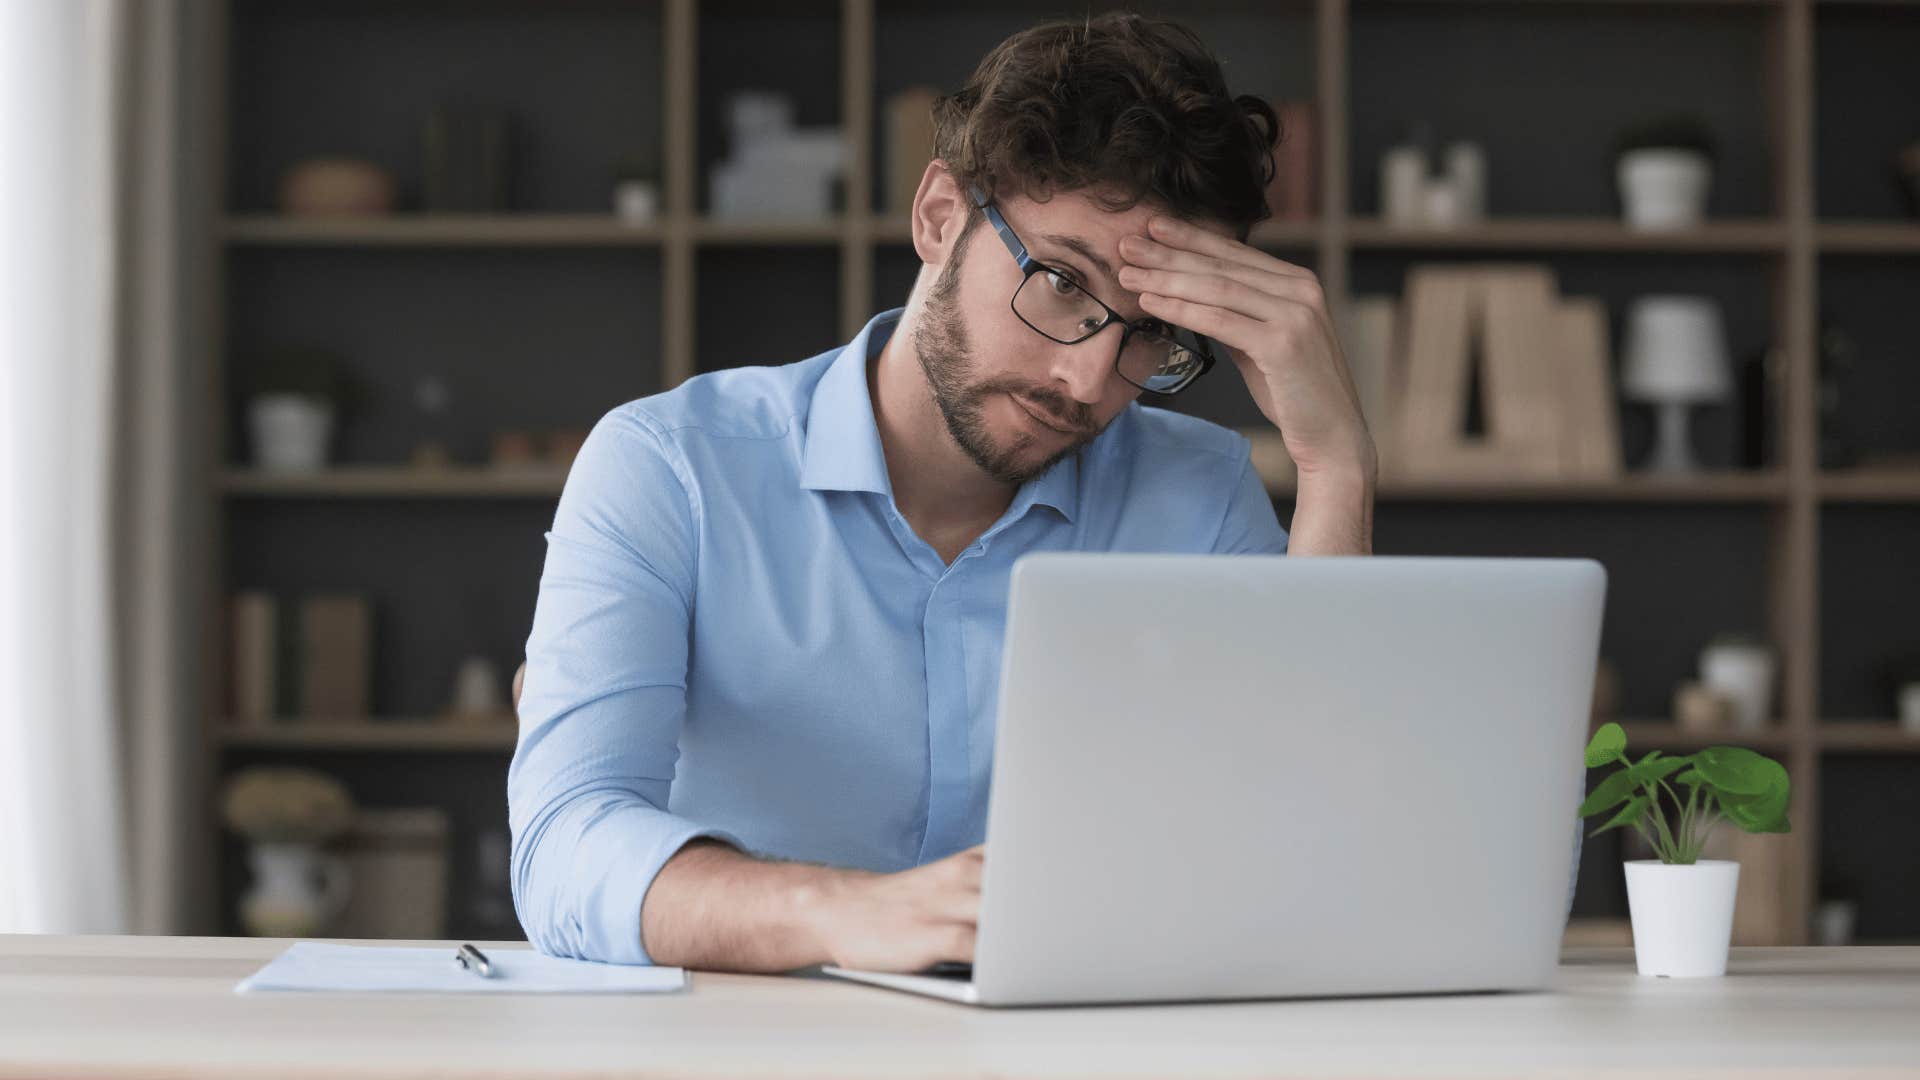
(307, 304)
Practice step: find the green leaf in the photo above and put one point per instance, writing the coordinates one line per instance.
(1767, 811)
(1735, 770)
(1691, 778)
(1608, 793)
(1628, 815)
(1608, 743)
(1649, 772)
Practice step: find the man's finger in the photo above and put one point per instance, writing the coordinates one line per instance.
(1184, 234)
(1212, 289)
(1148, 253)
(959, 944)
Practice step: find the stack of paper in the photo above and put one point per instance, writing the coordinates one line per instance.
(313, 965)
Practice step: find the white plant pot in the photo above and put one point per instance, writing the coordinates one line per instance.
(297, 890)
(1664, 189)
(291, 432)
(1682, 916)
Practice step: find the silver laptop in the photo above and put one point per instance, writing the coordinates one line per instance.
(1259, 776)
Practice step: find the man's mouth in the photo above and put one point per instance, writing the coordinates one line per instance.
(1041, 417)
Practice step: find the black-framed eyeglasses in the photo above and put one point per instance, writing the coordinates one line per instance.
(1153, 354)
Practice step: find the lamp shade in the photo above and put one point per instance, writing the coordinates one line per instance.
(1676, 351)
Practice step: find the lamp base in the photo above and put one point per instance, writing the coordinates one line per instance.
(1673, 444)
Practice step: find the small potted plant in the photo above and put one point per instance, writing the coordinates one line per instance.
(1664, 168)
(294, 396)
(1681, 906)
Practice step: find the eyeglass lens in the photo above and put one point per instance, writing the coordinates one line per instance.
(1056, 306)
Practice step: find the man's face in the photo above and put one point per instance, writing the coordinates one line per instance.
(1015, 400)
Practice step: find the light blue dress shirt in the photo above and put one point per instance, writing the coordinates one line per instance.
(738, 635)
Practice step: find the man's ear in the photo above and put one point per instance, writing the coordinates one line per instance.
(939, 214)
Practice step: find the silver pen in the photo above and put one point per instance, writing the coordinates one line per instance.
(474, 960)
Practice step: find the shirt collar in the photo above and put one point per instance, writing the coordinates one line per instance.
(842, 449)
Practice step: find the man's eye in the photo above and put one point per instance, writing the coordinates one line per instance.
(1061, 283)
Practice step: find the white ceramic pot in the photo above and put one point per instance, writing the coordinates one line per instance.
(1682, 916)
(1744, 674)
(1664, 189)
(291, 432)
(1909, 707)
(297, 891)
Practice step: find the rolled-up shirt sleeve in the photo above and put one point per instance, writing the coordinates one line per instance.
(604, 697)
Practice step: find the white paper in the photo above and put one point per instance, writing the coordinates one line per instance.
(313, 965)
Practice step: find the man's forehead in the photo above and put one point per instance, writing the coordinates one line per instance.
(1073, 220)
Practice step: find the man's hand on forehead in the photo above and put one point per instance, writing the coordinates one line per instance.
(1271, 316)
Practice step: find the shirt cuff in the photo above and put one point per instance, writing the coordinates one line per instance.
(626, 871)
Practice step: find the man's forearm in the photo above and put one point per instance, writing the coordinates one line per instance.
(1333, 512)
(715, 908)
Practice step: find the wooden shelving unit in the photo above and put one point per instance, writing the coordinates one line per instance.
(1789, 238)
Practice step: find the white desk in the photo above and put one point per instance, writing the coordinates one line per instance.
(131, 1006)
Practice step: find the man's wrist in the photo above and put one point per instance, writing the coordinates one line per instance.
(1333, 509)
(813, 895)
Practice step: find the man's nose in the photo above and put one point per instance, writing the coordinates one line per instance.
(1086, 366)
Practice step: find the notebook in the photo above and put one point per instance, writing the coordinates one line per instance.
(313, 965)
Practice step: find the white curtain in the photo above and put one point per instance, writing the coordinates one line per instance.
(96, 743)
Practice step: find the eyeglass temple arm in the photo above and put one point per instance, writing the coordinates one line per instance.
(999, 224)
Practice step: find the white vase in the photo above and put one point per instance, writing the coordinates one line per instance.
(1682, 916)
(297, 890)
(1664, 188)
(291, 432)
(1744, 673)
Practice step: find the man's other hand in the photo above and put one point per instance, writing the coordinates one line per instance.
(905, 921)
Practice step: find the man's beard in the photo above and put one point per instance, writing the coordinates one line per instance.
(940, 341)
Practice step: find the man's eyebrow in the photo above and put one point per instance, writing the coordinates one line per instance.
(1083, 249)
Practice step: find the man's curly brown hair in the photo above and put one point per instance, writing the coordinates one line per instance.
(1120, 107)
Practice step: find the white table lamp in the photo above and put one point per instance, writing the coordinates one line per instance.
(1676, 356)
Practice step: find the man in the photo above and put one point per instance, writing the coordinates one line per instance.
(757, 718)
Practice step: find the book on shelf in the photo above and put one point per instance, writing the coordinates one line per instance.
(336, 636)
(253, 666)
(908, 137)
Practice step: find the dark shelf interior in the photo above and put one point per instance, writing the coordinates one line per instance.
(1871, 301)
(1866, 108)
(765, 305)
(789, 48)
(479, 322)
(1869, 591)
(582, 82)
(1546, 88)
